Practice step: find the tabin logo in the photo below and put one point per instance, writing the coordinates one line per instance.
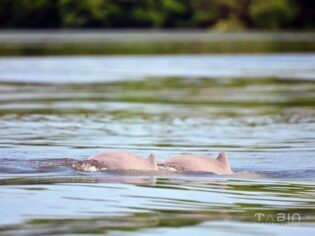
(279, 218)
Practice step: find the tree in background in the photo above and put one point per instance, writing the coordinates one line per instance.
(125, 13)
(211, 14)
(29, 14)
(272, 14)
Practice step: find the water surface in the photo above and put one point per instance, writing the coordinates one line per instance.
(258, 108)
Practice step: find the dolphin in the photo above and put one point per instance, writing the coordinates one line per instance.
(199, 163)
(126, 161)
(123, 160)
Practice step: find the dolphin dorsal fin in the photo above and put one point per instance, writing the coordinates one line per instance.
(224, 160)
(222, 157)
(152, 160)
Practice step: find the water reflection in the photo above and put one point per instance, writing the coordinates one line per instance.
(165, 116)
(87, 69)
(266, 125)
(169, 202)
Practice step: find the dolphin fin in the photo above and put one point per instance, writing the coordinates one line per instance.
(224, 160)
(152, 160)
(222, 157)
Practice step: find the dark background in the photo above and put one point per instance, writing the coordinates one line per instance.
(220, 15)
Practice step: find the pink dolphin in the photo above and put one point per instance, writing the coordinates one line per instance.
(195, 163)
(122, 160)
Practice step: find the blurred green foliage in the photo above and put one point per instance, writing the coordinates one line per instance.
(221, 15)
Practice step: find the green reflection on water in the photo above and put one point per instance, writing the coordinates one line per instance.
(267, 198)
(271, 94)
(131, 48)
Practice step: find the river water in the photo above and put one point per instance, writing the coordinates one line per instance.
(259, 109)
